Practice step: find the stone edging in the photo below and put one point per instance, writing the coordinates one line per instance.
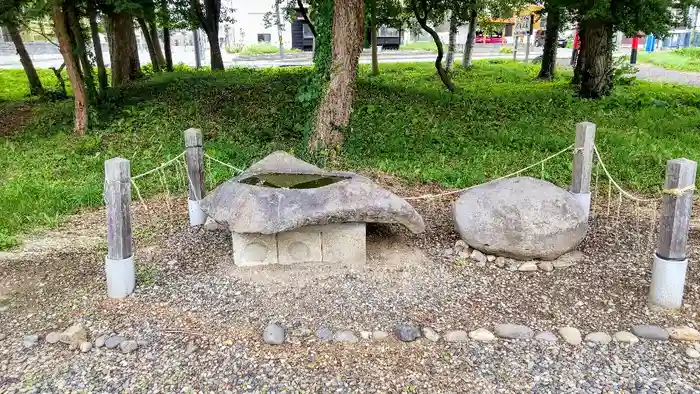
(275, 334)
(465, 253)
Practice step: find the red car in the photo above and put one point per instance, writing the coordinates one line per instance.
(491, 39)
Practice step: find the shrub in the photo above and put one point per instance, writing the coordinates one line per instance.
(506, 50)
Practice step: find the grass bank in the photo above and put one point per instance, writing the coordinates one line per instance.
(684, 59)
(404, 123)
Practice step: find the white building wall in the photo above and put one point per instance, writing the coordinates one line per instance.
(249, 23)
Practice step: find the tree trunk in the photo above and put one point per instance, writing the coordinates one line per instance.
(122, 48)
(35, 87)
(305, 15)
(80, 48)
(153, 29)
(551, 42)
(149, 43)
(323, 35)
(596, 75)
(217, 62)
(578, 67)
(469, 44)
(444, 77)
(97, 46)
(166, 35)
(81, 106)
(333, 113)
(451, 42)
(373, 36)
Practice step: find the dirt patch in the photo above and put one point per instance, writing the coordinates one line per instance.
(13, 117)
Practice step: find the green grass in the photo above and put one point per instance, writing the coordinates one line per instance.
(404, 122)
(258, 49)
(419, 46)
(685, 59)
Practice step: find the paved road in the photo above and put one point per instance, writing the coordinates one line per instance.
(186, 55)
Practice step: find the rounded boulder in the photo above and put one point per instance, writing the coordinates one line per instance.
(523, 218)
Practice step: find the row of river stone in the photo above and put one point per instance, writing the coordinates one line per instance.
(274, 334)
(464, 252)
(76, 337)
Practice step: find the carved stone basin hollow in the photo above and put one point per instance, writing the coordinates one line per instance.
(284, 211)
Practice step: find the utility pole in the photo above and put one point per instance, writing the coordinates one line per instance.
(279, 29)
(197, 51)
(635, 45)
(529, 36)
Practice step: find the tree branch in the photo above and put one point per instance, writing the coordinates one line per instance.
(302, 9)
(41, 33)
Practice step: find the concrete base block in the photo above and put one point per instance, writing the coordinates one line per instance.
(254, 249)
(341, 243)
(667, 283)
(121, 277)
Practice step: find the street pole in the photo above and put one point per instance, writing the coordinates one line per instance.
(515, 46)
(529, 36)
(635, 45)
(197, 54)
(279, 29)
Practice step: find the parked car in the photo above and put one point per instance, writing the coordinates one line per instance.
(539, 39)
(490, 39)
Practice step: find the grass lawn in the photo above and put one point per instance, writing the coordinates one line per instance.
(404, 122)
(420, 46)
(685, 59)
(258, 49)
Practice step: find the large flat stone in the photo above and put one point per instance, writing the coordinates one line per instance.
(254, 249)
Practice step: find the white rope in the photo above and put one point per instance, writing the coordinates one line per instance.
(493, 180)
(221, 162)
(160, 167)
(617, 186)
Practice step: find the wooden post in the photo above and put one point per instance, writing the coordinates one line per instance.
(670, 263)
(119, 263)
(195, 174)
(583, 164)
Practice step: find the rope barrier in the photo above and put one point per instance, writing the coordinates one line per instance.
(617, 186)
(222, 163)
(160, 167)
(546, 159)
(678, 192)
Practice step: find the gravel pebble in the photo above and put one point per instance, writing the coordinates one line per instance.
(457, 336)
(482, 335)
(30, 340)
(324, 334)
(85, 347)
(513, 331)
(528, 266)
(3, 336)
(430, 334)
(114, 341)
(100, 341)
(380, 335)
(602, 338)
(406, 332)
(571, 335)
(545, 266)
(53, 337)
(345, 336)
(366, 335)
(478, 256)
(128, 346)
(650, 332)
(273, 334)
(683, 333)
(692, 353)
(626, 337)
(500, 262)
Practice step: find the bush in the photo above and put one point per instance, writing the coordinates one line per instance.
(257, 49)
(506, 50)
(693, 53)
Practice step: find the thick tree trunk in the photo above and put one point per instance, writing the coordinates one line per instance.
(61, 29)
(373, 37)
(153, 29)
(551, 42)
(451, 42)
(217, 62)
(80, 48)
(97, 46)
(596, 75)
(323, 35)
(35, 87)
(149, 43)
(469, 44)
(122, 48)
(166, 35)
(333, 113)
(444, 76)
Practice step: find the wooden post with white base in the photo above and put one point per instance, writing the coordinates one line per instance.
(583, 163)
(119, 262)
(670, 262)
(194, 152)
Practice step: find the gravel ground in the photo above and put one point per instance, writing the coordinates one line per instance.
(202, 318)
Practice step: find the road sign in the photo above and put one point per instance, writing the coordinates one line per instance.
(522, 24)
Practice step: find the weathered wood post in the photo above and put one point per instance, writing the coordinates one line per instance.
(195, 174)
(670, 263)
(583, 163)
(119, 263)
